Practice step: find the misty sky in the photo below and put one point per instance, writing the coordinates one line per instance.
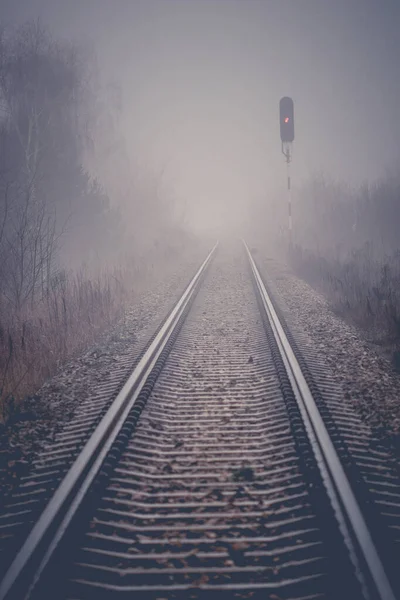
(201, 82)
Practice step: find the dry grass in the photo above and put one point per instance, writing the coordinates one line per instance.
(36, 340)
(77, 308)
(361, 288)
(347, 246)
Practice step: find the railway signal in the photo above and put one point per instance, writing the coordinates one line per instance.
(286, 114)
(286, 121)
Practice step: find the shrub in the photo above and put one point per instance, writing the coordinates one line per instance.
(347, 246)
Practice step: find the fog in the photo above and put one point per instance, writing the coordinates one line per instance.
(200, 83)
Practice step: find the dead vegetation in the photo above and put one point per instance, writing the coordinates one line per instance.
(36, 340)
(347, 245)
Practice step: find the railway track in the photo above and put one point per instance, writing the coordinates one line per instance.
(215, 472)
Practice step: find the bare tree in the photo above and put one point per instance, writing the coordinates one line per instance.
(39, 90)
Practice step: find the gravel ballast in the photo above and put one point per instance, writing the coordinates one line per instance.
(368, 382)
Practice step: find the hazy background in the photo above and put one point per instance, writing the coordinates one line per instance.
(201, 81)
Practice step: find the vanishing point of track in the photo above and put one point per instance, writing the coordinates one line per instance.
(212, 473)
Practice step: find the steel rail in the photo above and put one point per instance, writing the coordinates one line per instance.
(364, 555)
(35, 553)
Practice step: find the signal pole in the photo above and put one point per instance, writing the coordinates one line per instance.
(286, 151)
(286, 117)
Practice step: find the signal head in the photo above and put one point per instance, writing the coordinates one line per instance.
(286, 114)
